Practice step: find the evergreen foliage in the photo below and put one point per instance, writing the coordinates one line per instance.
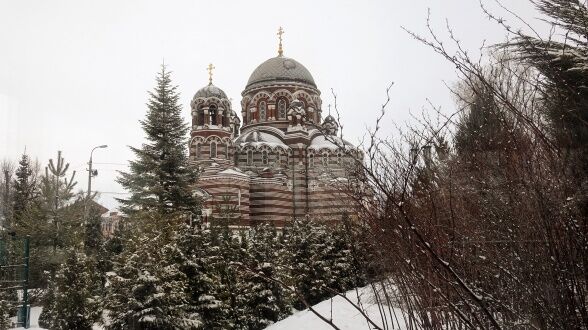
(317, 267)
(24, 186)
(6, 308)
(147, 288)
(262, 295)
(160, 179)
(73, 303)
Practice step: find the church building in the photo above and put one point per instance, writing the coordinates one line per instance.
(283, 161)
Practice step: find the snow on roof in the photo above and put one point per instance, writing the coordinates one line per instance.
(321, 142)
(232, 171)
(257, 138)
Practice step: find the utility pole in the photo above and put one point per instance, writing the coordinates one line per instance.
(90, 171)
(90, 174)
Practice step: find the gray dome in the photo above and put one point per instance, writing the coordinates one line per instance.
(329, 119)
(278, 69)
(210, 91)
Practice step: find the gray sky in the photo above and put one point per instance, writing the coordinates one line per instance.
(75, 74)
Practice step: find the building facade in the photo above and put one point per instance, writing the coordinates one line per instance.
(284, 160)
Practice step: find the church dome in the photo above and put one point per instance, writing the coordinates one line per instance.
(330, 119)
(210, 91)
(279, 69)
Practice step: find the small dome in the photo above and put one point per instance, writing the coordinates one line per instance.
(210, 91)
(279, 69)
(330, 119)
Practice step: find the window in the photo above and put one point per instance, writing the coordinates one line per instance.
(264, 157)
(282, 108)
(339, 158)
(279, 158)
(325, 159)
(198, 151)
(212, 149)
(311, 160)
(262, 110)
(227, 150)
(249, 157)
(212, 112)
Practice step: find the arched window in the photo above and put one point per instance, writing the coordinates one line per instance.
(212, 149)
(227, 150)
(325, 159)
(264, 157)
(282, 108)
(311, 160)
(212, 112)
(279, 157)
(249, 157)
(198, 151)
(262, 110)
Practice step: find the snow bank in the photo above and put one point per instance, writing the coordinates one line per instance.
(345, 316)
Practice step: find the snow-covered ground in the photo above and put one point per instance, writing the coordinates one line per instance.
(344, 316)
(35, 312)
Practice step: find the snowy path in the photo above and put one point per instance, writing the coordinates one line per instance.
(345, 316)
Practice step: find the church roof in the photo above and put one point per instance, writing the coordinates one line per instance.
(210, 91)
(279, 69)
(256, 139)
(332, 143)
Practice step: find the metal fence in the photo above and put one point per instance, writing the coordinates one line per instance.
(14, 275)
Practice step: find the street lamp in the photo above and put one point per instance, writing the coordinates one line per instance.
(90, 172)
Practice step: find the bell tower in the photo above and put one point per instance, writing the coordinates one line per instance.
(214, 125)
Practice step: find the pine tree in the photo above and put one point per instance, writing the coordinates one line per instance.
(74, 304)
(160, 179)
(24, 187)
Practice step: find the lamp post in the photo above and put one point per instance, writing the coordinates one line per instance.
(90, 172)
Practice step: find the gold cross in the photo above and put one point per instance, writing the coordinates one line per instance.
(210, 68)
(280, 50)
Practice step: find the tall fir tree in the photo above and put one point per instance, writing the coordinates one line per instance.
(160, 178)
(24, 186)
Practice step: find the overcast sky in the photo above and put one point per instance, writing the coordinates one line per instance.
(75, 74)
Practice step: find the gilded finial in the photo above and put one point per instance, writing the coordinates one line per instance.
(210, 68)
(280, 33)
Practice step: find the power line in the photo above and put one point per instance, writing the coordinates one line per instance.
(113, 192)
(111, 164)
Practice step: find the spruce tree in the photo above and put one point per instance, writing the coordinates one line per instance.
(24, 186)
(147, 288)
(264, 300)
(310, 273)
(6, 307)
(74, 304)
(160, 179)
